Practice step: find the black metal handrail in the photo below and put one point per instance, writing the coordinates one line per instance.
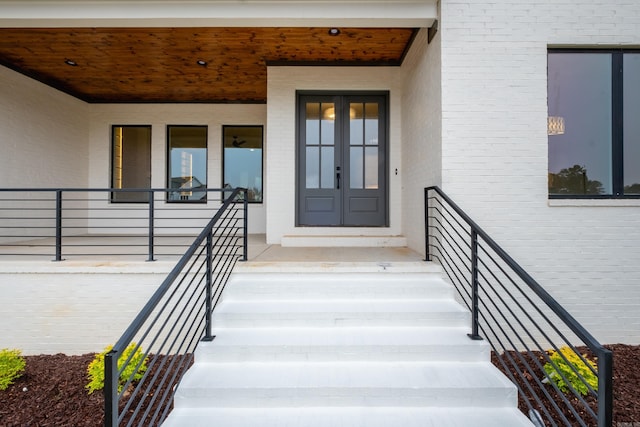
(63, 223)
(519, 319)
(174, 320)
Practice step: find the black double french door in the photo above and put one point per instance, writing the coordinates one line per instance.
(342, 160)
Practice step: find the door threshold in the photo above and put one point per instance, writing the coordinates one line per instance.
(326, 241)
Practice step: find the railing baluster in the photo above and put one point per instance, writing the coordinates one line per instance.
(474, 335)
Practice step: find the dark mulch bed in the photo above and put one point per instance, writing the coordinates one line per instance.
(52, 392)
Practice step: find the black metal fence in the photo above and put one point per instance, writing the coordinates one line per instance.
(164, 335)
(522, 323)
(68, 223)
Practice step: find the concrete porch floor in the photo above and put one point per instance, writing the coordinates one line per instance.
(133, 249)
(129, 253)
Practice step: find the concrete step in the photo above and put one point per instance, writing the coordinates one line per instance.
(347, 417)
(248, 286)
(340, 384)
(339, 313)
(342, 344)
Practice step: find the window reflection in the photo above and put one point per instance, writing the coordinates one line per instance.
(631, 108)
(187, 163)
(242, 163)
(579, 91)
(130, 162)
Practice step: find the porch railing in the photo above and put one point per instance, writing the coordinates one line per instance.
(174, 320)
(65, 223)
(520, 321)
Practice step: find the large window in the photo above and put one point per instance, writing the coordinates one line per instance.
(130, 162)
(187, 163)
(594, 131)
(242, 159)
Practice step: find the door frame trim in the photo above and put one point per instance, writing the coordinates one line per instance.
(386, 94)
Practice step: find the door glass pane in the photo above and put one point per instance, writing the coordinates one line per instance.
(327, 166)
(371, 124)
(312, 167)
(371, 167)
(187, 163)
(356, 164)
(631, 119)
(579, 97)
(242, 162)
(356, 123)
(313, 123)
(327, 126)
(130, 162)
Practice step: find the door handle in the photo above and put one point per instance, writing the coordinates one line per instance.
(338, 177)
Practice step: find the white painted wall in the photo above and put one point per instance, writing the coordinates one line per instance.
(282, 84)
(421, 133)
(103, 116)
(44, 135)
(494, 152)
(43, 138)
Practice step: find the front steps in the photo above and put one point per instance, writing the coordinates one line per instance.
(325, 347)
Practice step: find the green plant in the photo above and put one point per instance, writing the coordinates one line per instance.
(95, 370)
(11, 366)
(568, 368)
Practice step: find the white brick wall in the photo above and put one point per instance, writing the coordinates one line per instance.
(282, 83)
(421, 133)
(72, 308)
(494, 151)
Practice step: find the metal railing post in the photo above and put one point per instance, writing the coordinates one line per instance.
(427, 254)
(208, 283)
(110, 389)
(245, 227)
(151, 226)
(58, 225)
(605, 389)
(474, 284)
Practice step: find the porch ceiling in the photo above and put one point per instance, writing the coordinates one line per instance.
(160, 64)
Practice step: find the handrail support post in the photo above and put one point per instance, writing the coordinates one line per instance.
(151, 226)
(208, 283)
(58, 225)
(245, 226)
(110, 389)
(605, 389)
(427, 253)
(474, 335)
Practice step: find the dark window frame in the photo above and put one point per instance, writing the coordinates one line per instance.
(617, 112)
(168, 163)
(224, 127)
(111, 160)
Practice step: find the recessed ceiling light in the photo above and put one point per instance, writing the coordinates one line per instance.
(334, 31)
(70, 62)
(201, 62)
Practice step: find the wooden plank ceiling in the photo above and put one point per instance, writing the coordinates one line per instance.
(161, 64)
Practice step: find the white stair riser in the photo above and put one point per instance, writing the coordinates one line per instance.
(270, 320)
(341, 286)
(345, 353)
(340, 396)
(348, 417)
